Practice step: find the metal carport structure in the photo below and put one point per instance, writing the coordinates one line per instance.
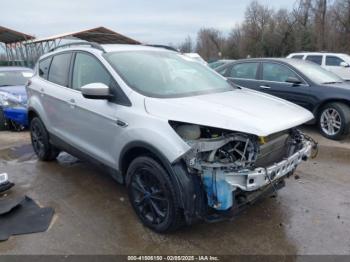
(13, 43)
(100, 35)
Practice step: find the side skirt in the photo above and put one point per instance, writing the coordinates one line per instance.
(60, 144)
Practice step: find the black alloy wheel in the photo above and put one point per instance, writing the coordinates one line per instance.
(152, 195)
(40, 141)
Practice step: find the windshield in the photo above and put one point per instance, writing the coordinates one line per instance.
(166, 74)
(316, 73)
(14, 78)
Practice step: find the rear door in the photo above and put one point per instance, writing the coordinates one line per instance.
(273, 81)
(244, 74)
(55, 95)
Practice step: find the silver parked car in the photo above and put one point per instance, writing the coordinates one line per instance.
(188, 144)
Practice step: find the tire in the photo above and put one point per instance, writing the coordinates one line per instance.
(3, 123)
(334, 117)
(152, 195)
(40, 141)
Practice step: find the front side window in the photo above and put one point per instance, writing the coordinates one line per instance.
(165, 74)
(277, 73)
(44, 66)
(59, 69)
(88, 70)
(15, 77)
(333, 61)
(317, 59)
(244, 70)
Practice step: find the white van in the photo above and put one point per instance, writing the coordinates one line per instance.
(335, 62)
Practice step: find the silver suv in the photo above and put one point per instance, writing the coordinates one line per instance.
(188, 144)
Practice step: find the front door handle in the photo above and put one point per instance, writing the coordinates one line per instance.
(264, 87)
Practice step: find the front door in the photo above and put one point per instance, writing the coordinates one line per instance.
(273, 81)
(93, 126)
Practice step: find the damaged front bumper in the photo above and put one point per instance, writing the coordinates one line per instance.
(221, 185)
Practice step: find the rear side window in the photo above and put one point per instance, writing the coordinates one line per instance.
(297, 56)
(315, 58)
(44, 66)
(333, 61)
(59, 69)
(244, 70)
(88, 70)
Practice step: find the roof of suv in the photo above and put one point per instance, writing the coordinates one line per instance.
(107, 47)
(122, 47)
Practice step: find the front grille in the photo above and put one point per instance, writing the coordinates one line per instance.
(274, 150)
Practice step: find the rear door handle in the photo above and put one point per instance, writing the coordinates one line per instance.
(264, 87)
(42, 91)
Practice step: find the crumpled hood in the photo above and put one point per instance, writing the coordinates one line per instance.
(19, 92)
(241, 110)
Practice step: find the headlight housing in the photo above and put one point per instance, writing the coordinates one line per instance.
(13, 101)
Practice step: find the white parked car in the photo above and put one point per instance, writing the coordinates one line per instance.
(335, 62)
(187, 143)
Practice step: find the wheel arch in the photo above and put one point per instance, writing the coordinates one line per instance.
(139, 148)
(328, 101)
(187, 186)
(31, 114)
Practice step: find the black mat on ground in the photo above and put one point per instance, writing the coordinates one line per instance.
(26, 218)
(9, 202)
(6, 186)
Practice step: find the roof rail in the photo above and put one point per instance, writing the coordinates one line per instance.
(92, 44)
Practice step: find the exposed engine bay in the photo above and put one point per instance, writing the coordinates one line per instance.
(231, 162)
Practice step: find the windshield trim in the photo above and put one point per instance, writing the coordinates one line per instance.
(152, 95)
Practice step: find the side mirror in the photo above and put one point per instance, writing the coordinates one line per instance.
(96, 91)
(293, 80)
(344, 64)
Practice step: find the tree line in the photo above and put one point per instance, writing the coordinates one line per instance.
(311, 25)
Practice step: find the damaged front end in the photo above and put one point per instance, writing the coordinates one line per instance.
(235, 168)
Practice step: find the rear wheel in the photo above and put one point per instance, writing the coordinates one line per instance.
(334, 121)
(152, 195)
(40, 141)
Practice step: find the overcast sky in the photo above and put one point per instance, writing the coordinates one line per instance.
(152, 21)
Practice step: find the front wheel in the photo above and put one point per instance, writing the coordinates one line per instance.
(152, 195)
(40, 141)
(334, 121)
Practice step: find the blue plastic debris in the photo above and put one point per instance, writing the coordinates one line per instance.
(219, 192)
(17, 115)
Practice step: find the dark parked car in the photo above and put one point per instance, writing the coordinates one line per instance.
(301, 82)
(220, 62)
